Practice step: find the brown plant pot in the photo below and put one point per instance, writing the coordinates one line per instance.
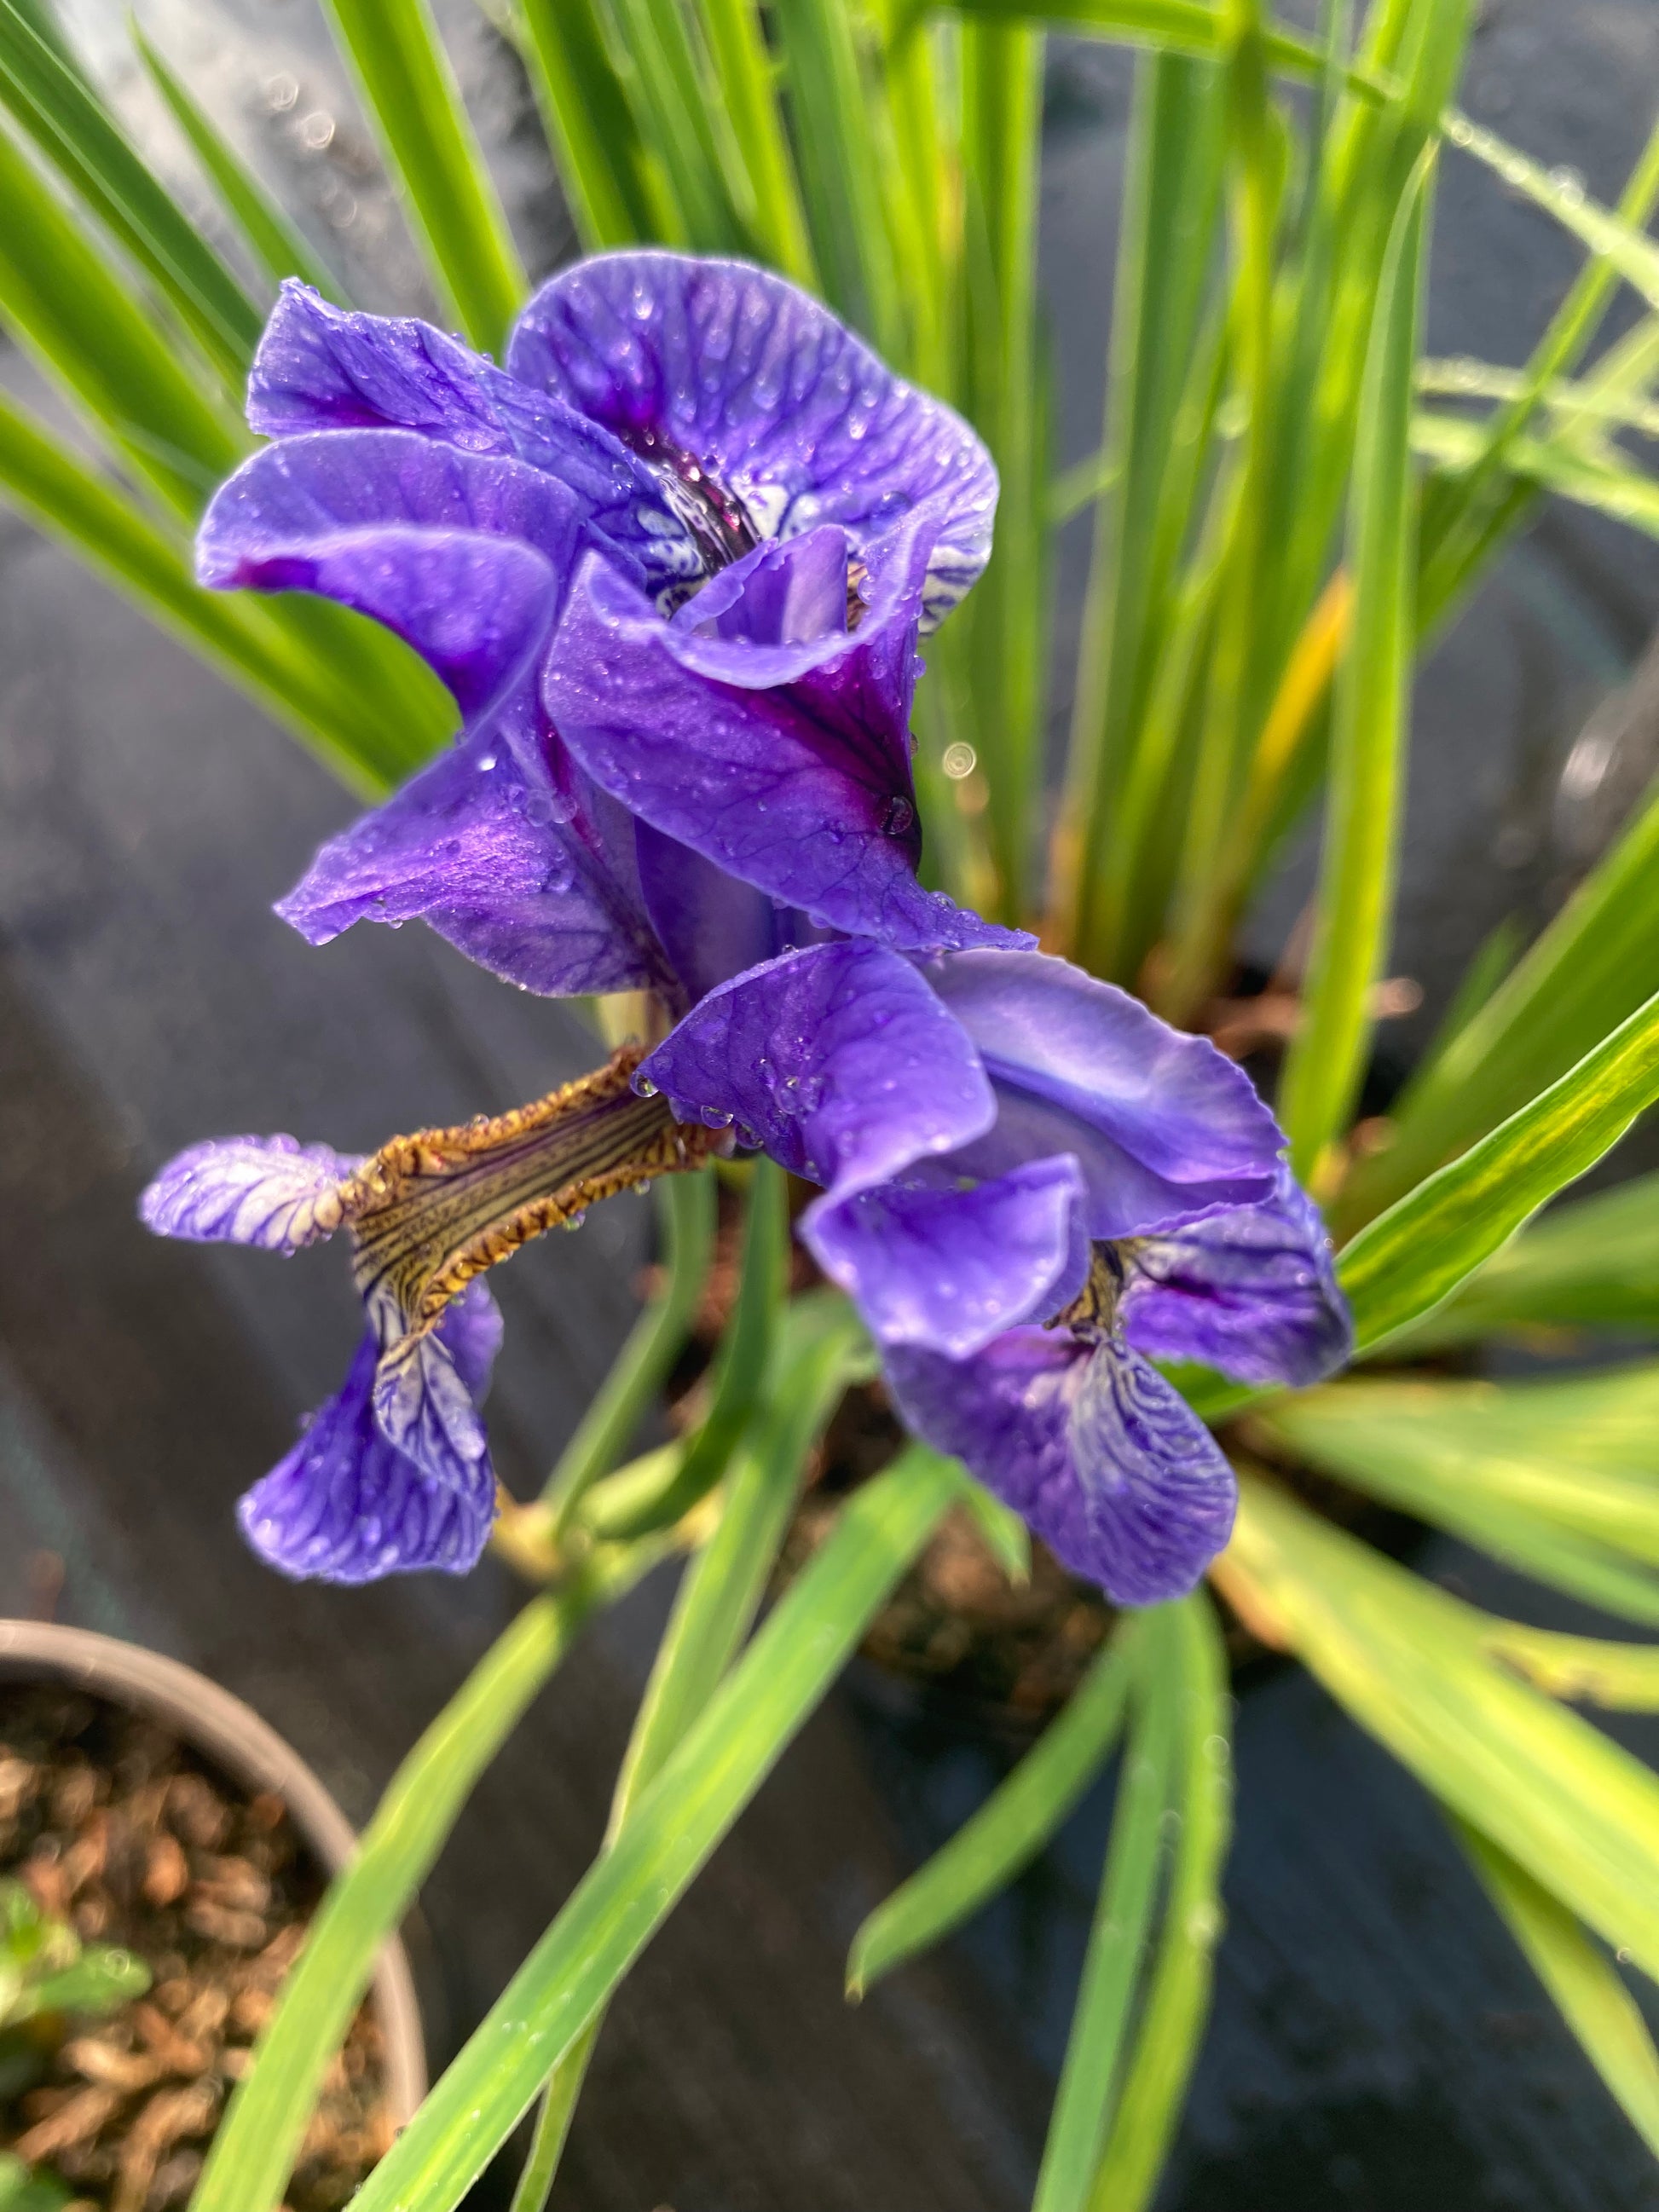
(229, 1736)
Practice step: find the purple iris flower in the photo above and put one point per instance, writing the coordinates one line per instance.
(1004, 1141)
(672, 563)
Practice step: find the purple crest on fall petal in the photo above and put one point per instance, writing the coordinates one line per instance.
(1090, 1445)
(1253, 1292)
(271, 1192)
(345, 1505)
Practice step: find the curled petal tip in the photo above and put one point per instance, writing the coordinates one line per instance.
(271, 1192)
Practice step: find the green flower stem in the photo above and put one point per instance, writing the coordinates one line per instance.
(653, 1345)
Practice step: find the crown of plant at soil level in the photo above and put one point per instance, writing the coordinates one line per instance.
(672, 564)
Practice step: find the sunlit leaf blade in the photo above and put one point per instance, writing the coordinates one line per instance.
(1123, 1921)
(54, 103)
(1403, 1264)
(64, 301)
(279, 245)
(1560, 1479)
(1591, 480)
(654, 1342)
(1006, 1536)
(1582, 1669)
(1007, 1831)
(1185, 27)
(41, 479)
(1593, 2001)
(618, 1906)
(589, 124)
(686, 130)
(743, 68)
(1407, 1661)
(1171, 2025)
(1165, 248)
(840, 171)
(1371, 724)
(257, 2142)
(1593, 1264)
(1623, 245)
(1464, 517)
(822, 1347)
(996, 642)
(739, 1371)
(415, 104)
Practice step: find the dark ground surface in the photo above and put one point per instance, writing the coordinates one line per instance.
(1377, 2046)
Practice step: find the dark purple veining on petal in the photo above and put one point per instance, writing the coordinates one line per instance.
(344, 1505)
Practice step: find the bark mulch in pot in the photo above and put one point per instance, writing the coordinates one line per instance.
(116, 1827)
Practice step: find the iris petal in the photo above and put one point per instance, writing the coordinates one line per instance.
(1166, 1130)
(837, 1060)
(1253, 1292)
(802, 789)
(273, 1193)
(525, 875)
(466, 556)
(1090, 1445)
(346, 1506)
(322, 367)
(768, 393)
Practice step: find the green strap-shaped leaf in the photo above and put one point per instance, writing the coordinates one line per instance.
(63, 300)
(740, 1372)
(54, 103)
(1583, 1983)
(654, 1343)
(1090, 2075)
(686, 129)
(1171, 2027)
(736, 47)
(248, 640)
(838, 153)
(615, 1909)
(1558, 1478)
(1594, 1264)
(1425, 1246)
(1007, 1831)
(590, 126)
(261, 2134)
(1164, 255)
(1181, 26)
(1371, 723)
(277, 244)
(1412, 1665)
(822, 1347)
(433, 152)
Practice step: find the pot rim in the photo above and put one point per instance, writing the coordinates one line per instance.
(232, 1735)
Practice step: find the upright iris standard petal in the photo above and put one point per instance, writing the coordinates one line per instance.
(322, 367)
(466, 556)
(738, 387)
(1253, 1292)
(1166, 1130)
(347, 1506)
(273, 1193)
(802, 790)
(533, 878)
(1090, 1445)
